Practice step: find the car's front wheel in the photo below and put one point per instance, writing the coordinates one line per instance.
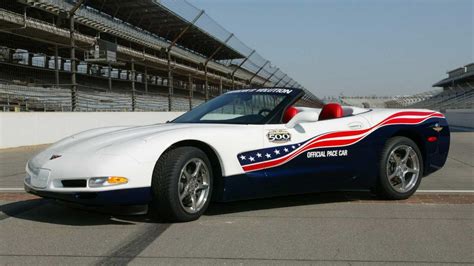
(401, 169)
(182, 184)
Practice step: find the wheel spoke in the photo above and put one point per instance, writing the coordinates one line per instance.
(186, 175)
(408, 151)
(198, 168)
(184, 194)
(402, 182)
(202, 187)
(193, 201)
(411, 170)
(392, 175)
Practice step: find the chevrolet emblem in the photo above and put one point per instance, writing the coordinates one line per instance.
(54, 156)
(437, 128)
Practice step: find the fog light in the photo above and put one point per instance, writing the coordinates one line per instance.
(107, 181)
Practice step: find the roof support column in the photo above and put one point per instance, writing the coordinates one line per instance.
(240, 65)
(73, 55)
(209, 59)
(133, 76)
(73, 65)
(170, 84)
(258, 71)
(206, 84)
(110, 76)
(168, 51)
(220, 86)
(146, 79)
(56, 65)
(190, 88)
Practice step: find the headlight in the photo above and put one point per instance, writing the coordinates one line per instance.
(107, 181)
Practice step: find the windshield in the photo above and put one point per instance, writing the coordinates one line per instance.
(250, 106)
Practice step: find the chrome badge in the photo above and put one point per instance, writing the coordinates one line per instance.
(278, 135)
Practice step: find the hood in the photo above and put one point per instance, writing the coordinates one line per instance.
(102, 138)
(98, 139)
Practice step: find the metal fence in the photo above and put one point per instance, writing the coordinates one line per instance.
(252, 62)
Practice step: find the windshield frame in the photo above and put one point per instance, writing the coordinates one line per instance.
(274, 117)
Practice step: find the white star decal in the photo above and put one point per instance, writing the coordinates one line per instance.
(276, 151)
(259, 155)
(293, 147)
(242, 158)
(285, 149)
(268, 155)
(251, 159)
(299, 144)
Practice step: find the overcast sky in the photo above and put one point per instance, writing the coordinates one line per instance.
(364, 47)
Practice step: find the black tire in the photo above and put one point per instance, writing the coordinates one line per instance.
(165, 181)
(384, 189)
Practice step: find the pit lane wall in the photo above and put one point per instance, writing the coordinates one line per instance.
(460, 118)
(35, 128)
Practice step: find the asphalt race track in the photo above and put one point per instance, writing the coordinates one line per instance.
(434, 226)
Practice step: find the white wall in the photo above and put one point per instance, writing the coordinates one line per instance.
(25, 129)
(460, 117)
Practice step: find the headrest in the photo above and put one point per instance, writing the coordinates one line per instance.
(331, 111)
(289, 114)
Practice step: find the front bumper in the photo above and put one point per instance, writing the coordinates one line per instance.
(131, 196)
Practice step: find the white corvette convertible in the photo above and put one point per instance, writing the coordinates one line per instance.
(243, 144)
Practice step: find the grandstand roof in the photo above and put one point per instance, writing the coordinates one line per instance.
(462, 74)
(155, 17)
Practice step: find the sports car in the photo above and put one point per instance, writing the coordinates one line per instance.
(244, 144)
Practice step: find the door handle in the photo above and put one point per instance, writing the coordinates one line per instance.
(355, 125)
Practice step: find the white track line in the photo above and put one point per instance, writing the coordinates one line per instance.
(3, 189)
(443, 191)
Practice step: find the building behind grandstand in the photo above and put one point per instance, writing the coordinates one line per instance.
(143, 55)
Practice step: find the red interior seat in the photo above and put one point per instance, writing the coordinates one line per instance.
(331, 111)
(289, 114)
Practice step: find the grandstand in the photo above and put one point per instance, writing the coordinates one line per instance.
(142, 55)
(457, 93)
(365, 101)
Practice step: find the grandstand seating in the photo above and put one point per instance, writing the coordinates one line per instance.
(448, 99)
(366, 102)
(34, 98)
(459, 98)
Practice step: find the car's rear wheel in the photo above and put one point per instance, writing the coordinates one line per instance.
(182, 184)
(401, 169)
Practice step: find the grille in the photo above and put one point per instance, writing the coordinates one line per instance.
(74, 183)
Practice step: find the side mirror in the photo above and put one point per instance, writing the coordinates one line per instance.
(301, 117)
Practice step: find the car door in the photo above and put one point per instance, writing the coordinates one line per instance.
(314, 156)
